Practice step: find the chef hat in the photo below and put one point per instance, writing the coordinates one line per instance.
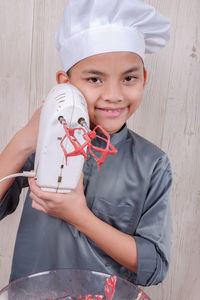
(91, 27)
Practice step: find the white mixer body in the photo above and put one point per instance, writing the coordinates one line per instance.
(53, 174)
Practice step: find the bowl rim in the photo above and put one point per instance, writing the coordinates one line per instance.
(37, 274)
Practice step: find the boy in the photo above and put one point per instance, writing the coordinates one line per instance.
(115, 221)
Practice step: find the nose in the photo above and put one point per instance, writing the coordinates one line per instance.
(112, 93)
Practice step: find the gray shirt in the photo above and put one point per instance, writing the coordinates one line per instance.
(130, 192)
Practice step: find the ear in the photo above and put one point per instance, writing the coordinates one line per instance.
(145, 77)
(62, 77)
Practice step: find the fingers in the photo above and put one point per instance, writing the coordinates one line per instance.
(42, 200)
(58, 204)
(47, 195)
(37, 196)
(37, 205)
(35, 189)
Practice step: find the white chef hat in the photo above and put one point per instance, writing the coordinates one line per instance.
(91, 27)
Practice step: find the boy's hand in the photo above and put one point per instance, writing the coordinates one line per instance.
(70, 207)
(73, 209)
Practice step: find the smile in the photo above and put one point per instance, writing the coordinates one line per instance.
(111, 112)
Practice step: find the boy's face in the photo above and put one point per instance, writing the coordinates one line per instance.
(113, 85)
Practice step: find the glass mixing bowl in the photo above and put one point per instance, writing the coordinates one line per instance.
(70, 284)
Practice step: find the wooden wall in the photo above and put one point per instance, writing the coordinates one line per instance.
(169, 116)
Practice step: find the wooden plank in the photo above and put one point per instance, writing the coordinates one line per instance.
(16, 19)
(45, 61)
(180, 139)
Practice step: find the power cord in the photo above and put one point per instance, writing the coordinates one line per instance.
(24, 174)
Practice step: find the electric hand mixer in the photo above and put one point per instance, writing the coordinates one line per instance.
(64, 140)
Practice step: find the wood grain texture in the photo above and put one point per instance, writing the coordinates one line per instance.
(169, 116)
(16, 21)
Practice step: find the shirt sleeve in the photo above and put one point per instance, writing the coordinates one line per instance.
(153, 232)
(11, 199)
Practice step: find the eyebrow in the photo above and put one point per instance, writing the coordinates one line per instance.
(97, 72)
(131, 70)
(94, 72)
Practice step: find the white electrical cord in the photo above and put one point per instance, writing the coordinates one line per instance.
(24, 174)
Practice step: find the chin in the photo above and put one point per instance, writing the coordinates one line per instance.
(110, 127)
(112, 130)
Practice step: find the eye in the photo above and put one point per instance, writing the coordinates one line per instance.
(129, 79)
(94, 80)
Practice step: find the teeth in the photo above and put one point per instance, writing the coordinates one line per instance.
(112, 110)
